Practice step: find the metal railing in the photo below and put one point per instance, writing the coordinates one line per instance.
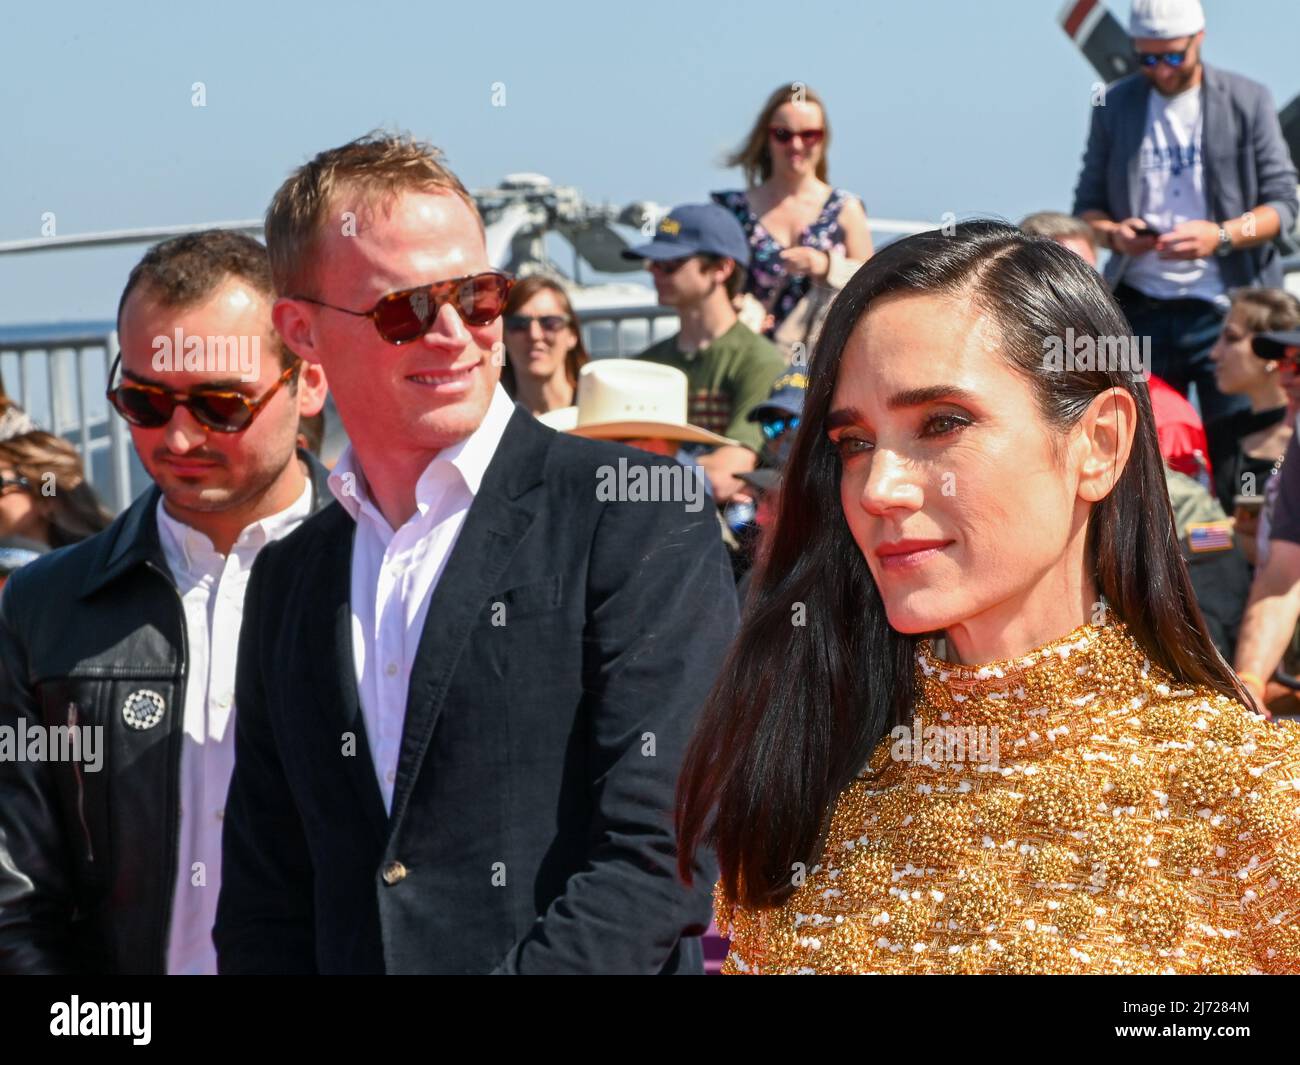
(623, 332)
(59, 373)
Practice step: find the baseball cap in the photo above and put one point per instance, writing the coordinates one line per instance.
(786, 398)
(1164, 20)
(695, 229)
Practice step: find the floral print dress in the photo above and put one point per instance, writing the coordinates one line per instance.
(770, 282)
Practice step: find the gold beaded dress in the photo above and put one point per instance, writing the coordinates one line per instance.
(1119, 822)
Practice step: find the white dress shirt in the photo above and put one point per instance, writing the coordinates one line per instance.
(1172, 173)
(212, 588)
(394, 574)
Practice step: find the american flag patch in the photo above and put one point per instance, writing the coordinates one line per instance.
(1209, 535)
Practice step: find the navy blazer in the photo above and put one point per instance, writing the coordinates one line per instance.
(1247, 165)
(569, 646)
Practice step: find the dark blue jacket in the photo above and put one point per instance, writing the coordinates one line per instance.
(569, 646)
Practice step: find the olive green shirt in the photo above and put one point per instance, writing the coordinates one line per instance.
(725, 380)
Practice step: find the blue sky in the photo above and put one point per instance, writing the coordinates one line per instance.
(936, 105)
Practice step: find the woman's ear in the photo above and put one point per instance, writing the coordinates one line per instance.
(1106, 430)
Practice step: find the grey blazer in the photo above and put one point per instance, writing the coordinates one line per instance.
(1246, 165)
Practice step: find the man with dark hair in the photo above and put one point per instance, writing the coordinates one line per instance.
(463, 692)
(697, 259)
(131, 634)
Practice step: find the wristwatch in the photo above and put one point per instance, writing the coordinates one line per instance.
(1225, 243)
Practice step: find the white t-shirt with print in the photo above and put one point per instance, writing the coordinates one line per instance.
(1172, 176)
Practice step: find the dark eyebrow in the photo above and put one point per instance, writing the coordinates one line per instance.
(918, 397)
(843, 416)
(232, 385)
(912, 397)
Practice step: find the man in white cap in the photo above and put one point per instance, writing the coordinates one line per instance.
(1187, 180)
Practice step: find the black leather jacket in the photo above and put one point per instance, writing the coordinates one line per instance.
(94, 634)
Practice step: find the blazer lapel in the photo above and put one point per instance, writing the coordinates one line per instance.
(497, 521)
(1214, 120)
(1133, 127)
(331, 626)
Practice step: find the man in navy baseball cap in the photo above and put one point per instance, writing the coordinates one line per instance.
(695, 229)
(778, 415)
(697, 260)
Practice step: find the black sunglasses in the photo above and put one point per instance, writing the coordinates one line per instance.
(403, 316)
(550, 323)
(668, 266)
(1150, 59)
(152, 407)
(19, 482)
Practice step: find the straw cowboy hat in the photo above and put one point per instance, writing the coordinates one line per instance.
(622, 399)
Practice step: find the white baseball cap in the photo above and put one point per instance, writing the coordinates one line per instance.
(1165, 20)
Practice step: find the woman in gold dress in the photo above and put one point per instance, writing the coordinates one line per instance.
(1072, 782)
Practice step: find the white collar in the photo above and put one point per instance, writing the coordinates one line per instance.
(469, 458)
(184, 543)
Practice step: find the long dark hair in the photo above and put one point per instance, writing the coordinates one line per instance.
(799, 707)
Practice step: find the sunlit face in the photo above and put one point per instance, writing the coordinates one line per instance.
(1170, 81)
(796, 156)
(949, 485)
(685, 283)
(1237, 368)
(420, 396)
(20, 515)
(197, 469)
(536, 351)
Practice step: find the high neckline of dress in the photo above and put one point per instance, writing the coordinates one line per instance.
(1043, 690)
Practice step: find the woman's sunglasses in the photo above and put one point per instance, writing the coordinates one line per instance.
(401, 317)
(1150, 59)
(152, 407)
(17, 483)
(550, 323)
(810, 137)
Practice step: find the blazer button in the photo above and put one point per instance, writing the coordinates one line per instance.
(394, 873)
